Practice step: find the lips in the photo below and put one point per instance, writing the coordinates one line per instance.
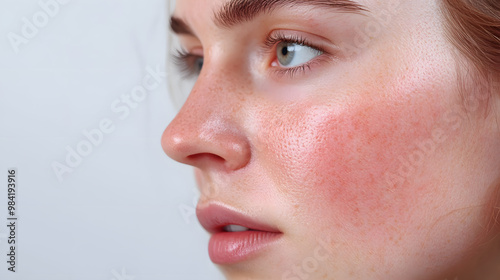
(235, 236)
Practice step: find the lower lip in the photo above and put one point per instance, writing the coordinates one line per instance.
(234, 247)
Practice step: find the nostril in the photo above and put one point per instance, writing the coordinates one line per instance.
(205, 160)
(213, 161)
(202, 156)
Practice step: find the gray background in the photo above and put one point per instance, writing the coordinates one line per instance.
(126, 211)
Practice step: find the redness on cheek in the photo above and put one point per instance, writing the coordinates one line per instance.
(344, 162)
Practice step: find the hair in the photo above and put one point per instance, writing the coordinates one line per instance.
(473, 27)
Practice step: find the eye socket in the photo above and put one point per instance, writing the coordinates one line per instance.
(290, 54)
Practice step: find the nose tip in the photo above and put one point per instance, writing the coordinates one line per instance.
(209, 144)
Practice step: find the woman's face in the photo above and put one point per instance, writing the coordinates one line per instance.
(338, 133)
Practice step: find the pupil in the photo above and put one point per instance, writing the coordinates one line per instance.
(200, 64)
(284, 51)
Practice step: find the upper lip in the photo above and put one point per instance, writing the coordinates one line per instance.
(215, 217)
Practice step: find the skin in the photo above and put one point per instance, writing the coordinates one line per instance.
(371, 157)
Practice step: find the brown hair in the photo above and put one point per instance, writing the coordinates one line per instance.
(473, 26)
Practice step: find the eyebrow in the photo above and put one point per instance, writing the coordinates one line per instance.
(180, 27)
(235, 12)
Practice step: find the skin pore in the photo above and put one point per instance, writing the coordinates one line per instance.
(365, 150)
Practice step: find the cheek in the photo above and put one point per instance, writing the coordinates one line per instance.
(346, 164)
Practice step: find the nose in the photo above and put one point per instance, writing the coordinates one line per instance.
(206, 131)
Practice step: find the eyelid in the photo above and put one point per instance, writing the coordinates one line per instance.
(290, 37)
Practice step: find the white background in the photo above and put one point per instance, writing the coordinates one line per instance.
(117, 215)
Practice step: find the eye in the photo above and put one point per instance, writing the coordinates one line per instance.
(291, 54)
(198, 65)
(190, 65)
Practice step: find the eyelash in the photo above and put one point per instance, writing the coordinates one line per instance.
(185, 61)
(270, 48)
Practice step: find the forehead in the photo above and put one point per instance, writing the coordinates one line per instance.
(193, 9)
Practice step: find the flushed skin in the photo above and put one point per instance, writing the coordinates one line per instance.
(372, 155)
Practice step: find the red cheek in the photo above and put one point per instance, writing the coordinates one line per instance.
(345, 164)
